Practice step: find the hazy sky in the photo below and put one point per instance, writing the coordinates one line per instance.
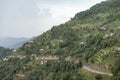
(27, 18)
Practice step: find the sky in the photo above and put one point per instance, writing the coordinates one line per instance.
(28, 18)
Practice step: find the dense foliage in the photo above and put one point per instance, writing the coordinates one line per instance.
(4, 52)
(116, 70)
(92, 36)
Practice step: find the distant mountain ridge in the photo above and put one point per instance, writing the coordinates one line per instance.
(12, 42)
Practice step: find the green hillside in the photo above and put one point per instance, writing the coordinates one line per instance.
(4, 52)
(91, 37)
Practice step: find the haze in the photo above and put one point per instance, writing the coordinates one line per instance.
(27, 18)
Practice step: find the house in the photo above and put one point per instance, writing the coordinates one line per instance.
(102, 28)
(14, 50)
(108, 35)
(43, 62)
(68, 58)
(41, 49)
(31, 42)
(117, 49)
(81, 42)
(20, 75)
(34, 55)
(5, 59)
(20, 57)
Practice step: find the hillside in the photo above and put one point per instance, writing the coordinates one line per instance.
(4, 52)
(92, 37)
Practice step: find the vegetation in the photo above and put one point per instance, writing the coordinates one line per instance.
(116, 70)
(92, 36)
(4, 52)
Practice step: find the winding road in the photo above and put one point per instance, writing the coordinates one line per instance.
(96, 71)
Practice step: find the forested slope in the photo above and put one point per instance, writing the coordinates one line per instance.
(92, 37)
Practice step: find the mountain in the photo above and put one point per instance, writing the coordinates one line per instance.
(11, 42)
(85, 48)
